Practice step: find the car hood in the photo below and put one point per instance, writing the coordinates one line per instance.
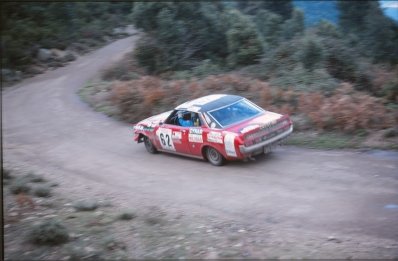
(154, 120)
(264, 119)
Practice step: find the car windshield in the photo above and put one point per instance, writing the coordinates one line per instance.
(236, 112)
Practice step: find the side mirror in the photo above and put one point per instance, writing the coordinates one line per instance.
(161, 123)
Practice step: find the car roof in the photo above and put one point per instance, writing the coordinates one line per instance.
(209, 102)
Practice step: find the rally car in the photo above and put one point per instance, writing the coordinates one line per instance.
(216, 128)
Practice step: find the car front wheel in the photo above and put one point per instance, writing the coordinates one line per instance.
(149, 146)
(214, 157)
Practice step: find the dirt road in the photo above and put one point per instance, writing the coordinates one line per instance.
(317, 203)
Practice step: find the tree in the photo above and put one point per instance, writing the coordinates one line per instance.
(311, 53)
(377, 34)
(294, 25)
(270, 26)
(353, 14)
(244, 45)
(186, 33)
(283, 8)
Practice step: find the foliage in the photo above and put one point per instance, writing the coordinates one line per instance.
(282, 8)
(86, 205)
(127, 215)
(341, 108)
(180, 35)
(20, 186)
(26, 27)
(375, 34)
(311, 54)
(50, 232)
(6, 173)
(42, 191)
(390, 91)
(293, 26)
(269, 26)
(244, 45)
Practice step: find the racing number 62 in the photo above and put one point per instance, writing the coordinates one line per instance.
(165, 139)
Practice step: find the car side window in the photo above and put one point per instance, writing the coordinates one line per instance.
(184, 118)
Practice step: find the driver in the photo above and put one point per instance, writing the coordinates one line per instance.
(182, 122)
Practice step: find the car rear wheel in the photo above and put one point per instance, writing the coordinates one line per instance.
(214, 157)
(149, 146)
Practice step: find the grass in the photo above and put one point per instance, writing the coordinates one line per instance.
(325, 140)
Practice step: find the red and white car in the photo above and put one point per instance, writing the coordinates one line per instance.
(216, 128)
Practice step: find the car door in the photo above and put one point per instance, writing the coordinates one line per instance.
(172, 138)
(195, 136)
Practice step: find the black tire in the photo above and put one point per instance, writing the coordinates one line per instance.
(214, 157)
(149, 146)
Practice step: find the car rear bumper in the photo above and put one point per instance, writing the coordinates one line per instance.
(260, 146)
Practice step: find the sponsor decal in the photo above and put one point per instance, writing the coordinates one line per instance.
(176, 135)
(229, 141)
(195, 131)
(195, 138)
(215, 137)
(165, 137)
(142, 128)
(249, 128)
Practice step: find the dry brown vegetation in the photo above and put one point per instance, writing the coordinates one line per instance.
(346, 109)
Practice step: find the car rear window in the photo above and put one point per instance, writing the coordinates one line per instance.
(235, 112)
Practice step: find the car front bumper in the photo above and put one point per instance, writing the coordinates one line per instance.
(260, 146)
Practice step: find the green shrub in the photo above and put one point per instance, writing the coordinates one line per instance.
(42, 191)
(32, 177)
(20, 186)
(390, 133)
(49, 232)
(6, 173)
(111, 243)
(127, 215)
(311, 53)
(390, 91)
(86, 205)
(243, 40)
(149, 55)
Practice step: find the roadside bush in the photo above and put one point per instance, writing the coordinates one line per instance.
(331, 107)
(110, 243)
(346, 110)
(42, 191)
(127, 215)
(390, 91)
(50, 232)
(32, 177)
(243, 40)
(149, 55)
(86, 205)
(140, 98)
(20, 186)
(6, 173)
